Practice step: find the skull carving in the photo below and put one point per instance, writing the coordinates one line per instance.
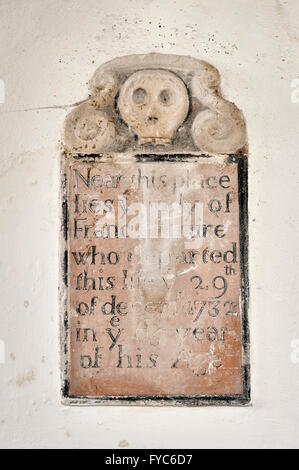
(154, 103)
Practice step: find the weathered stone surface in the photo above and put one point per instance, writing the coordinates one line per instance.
(212, 124)
(154, 103)
(155, 251)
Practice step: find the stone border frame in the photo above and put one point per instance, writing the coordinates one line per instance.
(165, 400)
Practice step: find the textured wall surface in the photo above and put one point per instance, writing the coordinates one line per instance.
(49, 50)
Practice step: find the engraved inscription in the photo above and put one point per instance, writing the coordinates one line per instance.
(154, 278)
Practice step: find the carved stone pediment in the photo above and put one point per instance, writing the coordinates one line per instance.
(155, 100)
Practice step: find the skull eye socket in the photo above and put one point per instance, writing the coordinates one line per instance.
(139, 96)
(166, 97)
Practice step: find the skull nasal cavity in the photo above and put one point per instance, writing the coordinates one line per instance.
(140, 96)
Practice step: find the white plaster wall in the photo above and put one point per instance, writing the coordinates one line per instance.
(49, 49)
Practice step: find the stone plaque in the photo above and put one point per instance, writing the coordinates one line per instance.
(155, 290)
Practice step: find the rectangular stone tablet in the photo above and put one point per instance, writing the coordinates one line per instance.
(155, 268)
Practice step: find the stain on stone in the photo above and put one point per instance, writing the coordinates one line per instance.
(123, 443)
(26, 377)
(284, 16)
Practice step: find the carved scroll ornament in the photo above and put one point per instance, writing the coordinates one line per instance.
(155, 100)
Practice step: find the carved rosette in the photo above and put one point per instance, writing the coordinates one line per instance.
(155, 100)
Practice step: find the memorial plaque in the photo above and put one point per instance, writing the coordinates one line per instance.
(155, 290)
